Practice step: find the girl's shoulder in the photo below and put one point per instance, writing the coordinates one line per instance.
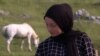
(46, 41)
(83, 37)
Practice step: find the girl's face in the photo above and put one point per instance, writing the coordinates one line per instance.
(52, 27)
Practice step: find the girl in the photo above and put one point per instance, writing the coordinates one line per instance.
(64, 41)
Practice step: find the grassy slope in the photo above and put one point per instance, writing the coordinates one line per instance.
(37, 9)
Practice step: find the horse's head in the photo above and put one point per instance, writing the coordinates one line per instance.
(36, 41)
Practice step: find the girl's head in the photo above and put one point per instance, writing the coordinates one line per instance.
(59, 19)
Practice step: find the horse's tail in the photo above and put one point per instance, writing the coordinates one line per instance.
(4, 31)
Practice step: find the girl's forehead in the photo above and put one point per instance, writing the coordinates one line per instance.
(49, 20)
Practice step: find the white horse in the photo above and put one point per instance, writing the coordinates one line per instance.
(20, 30)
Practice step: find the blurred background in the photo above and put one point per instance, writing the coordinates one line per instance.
(86, 15)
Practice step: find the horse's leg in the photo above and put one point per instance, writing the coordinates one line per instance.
(22, 44)
(29, 42)
(8, 44)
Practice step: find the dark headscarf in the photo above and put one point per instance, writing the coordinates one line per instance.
(63, 16)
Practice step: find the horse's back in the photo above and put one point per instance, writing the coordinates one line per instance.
(30, 29)
(21, 30)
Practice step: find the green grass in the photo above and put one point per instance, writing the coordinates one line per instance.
(37, 9)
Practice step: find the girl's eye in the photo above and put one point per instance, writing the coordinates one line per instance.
(53, 25)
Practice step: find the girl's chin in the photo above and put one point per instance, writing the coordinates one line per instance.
(52, 34)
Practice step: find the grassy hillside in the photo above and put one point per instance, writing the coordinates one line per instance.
(36, 9)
